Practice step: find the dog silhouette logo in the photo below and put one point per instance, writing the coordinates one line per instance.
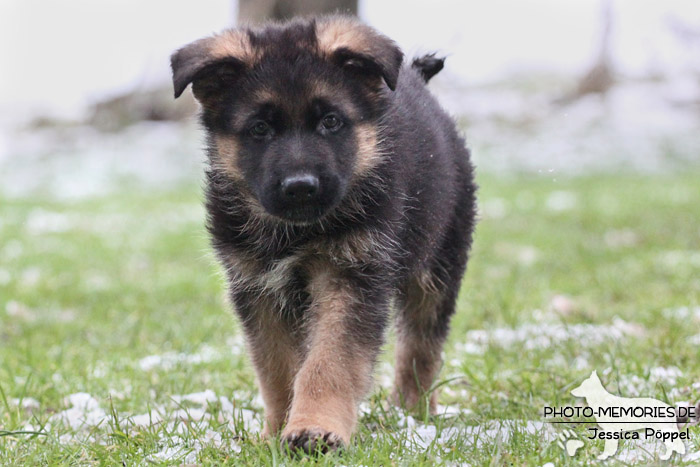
(623, 417)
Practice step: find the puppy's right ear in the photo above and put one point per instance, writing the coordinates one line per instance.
(211, 64)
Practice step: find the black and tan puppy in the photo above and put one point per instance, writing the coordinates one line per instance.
(336, 188)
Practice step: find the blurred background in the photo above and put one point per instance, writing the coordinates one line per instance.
(583, 117)
(538, 85)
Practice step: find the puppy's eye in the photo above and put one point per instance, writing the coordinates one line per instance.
(331, 123)
(260, 129)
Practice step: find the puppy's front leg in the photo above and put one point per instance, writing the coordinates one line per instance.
(274, 352)
(344, 336)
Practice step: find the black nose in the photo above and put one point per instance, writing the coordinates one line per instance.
(299, 188)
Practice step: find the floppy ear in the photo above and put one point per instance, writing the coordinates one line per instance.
(360, 49)
(210, 64)
(370, 66)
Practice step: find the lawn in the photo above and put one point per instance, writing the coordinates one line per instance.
(117, 345)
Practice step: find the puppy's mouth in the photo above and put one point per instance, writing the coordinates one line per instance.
(304, 213)
(301, 215)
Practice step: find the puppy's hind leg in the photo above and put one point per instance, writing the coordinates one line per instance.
(425, 305)
(424, 311)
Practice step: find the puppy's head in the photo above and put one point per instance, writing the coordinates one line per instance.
(292, 110)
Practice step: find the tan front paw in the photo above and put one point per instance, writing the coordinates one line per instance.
(312, 439)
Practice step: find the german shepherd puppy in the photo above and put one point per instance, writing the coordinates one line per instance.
(336, 187)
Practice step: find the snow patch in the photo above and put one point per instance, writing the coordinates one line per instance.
(562, 305)
(546, 335)
(646, 450)
(675, 258)
(419, 436)
(202, 398)
(170, 360)
(623, 238)
(84, 412)
(15, 309)
(176, 448)
(559, 201)
(494, 208)
(40, 221)
(80, 162)
(449, 411)
(26, 403)
(682, 313)
(5, 276)
(637, 386)
(86, 420)
(635, 127)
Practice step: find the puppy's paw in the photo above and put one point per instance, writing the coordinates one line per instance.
(310, 440)
(409, 398)
(406, 398)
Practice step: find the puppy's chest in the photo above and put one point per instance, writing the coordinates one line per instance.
(272, 276)
(286, 277)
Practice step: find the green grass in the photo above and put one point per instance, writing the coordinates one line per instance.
(90, 288)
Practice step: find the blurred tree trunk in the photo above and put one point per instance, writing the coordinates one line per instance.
(257, 11)
(599, 77)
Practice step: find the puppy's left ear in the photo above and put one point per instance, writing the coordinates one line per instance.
(360, 49)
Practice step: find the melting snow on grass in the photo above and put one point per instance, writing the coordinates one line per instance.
(545, 335)
(84, 412)
(205, 354)
(84, 420)
(636, 386)
(26, 403)
(683, 313)
(419, 436)
(645, 450)
(84, 417)
(170, 360)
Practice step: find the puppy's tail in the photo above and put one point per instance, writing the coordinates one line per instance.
(428, 65)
